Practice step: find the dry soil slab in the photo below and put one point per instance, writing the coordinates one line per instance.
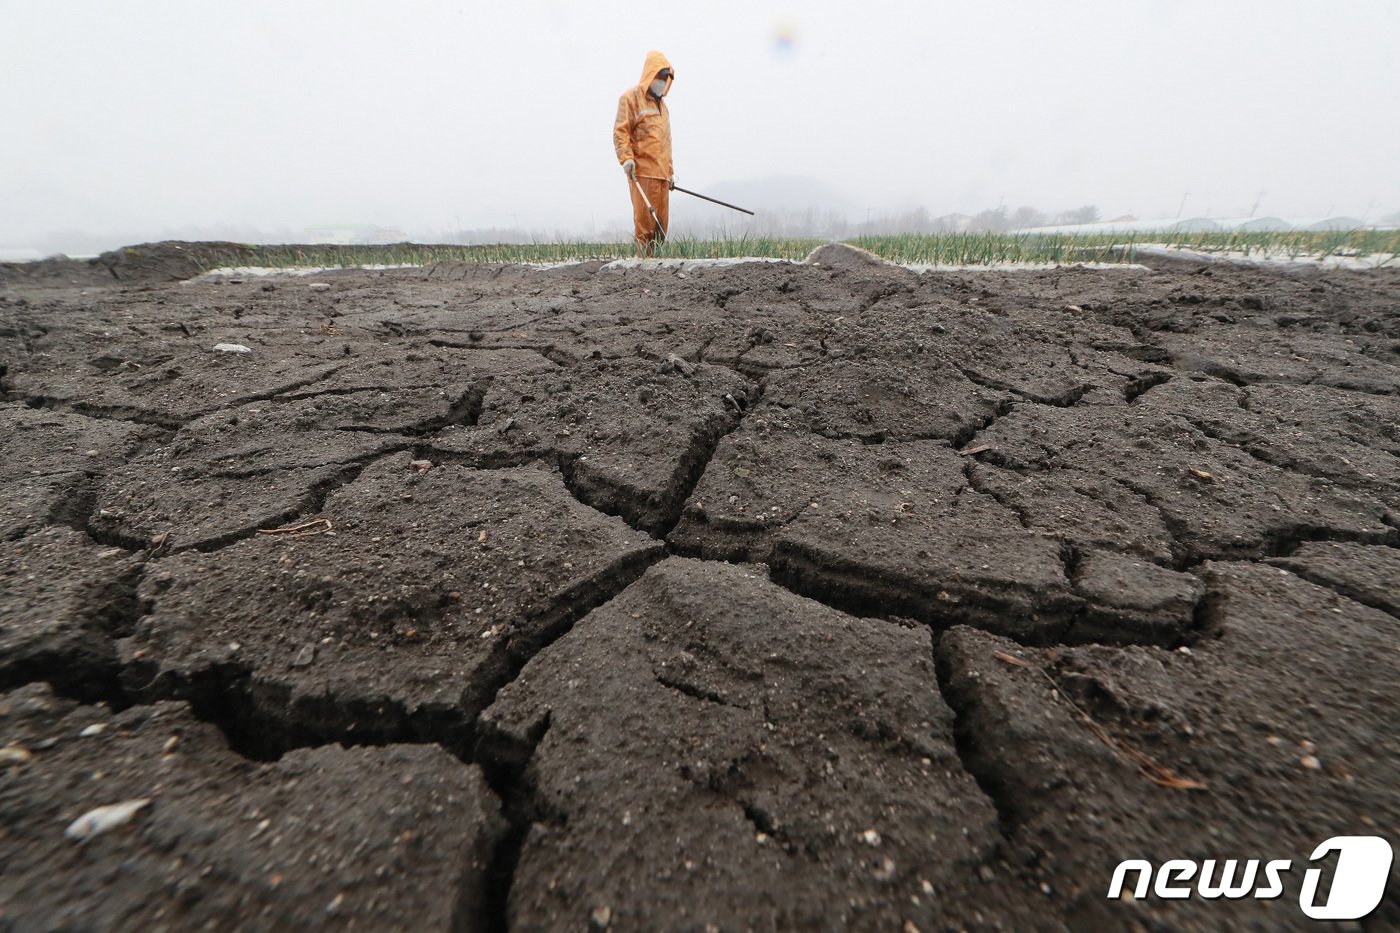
(65, 598)
(711, 749)
(322, 839)
(630, 436)
(1278, 730)
(429, 591)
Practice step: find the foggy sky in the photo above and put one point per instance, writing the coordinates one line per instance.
(155, 115)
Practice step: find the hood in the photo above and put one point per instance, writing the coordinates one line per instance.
(655, 62)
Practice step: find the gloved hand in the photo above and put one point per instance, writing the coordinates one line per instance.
(629, 168)
(673, 182)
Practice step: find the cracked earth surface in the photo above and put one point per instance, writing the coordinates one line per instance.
(772, 596)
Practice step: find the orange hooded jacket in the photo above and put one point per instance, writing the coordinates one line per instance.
(642, 130)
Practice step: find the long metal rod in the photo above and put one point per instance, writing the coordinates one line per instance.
(706, 197)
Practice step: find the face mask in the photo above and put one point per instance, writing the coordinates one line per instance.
(658, 87)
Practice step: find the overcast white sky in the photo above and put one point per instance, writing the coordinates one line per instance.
(155, 115)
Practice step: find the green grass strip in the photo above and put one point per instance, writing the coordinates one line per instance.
(950, 249)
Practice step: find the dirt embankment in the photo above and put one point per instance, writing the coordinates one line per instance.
(775, 596)
(169, 261)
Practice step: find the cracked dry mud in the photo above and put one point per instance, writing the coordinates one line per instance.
(772, 596)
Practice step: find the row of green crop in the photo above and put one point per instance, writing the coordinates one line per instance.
(1296, 245)
(991, 249)
(1002, 248)
(408, 254)
(955, 249)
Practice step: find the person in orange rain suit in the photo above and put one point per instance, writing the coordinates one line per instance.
(642, 138)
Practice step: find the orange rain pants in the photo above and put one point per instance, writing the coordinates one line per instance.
(659, 193)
